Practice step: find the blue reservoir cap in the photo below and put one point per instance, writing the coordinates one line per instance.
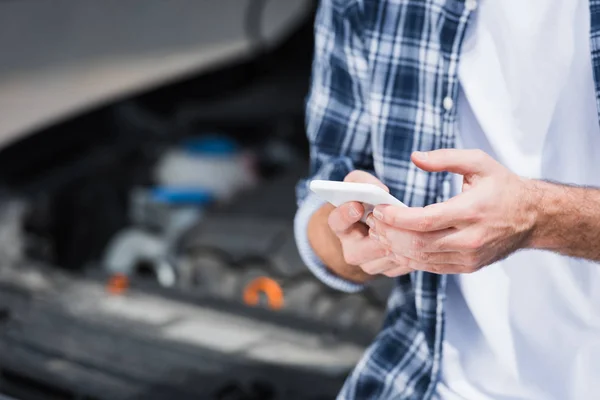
(181, 195)
(211, 145)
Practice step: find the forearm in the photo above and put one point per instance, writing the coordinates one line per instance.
(328, 248)
(568, 220)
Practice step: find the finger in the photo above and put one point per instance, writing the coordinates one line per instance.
(464, 244)
(440, 258)
(436, 268)
(463, 162)
(401, 267)
(364, 177)
(380, 266)
(398, 271)
(405, 240)
(342, 218)
(363, 250)
(457, 211)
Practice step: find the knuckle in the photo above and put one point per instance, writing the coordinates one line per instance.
(385, 241)
(394, 272)
(381, 231)
(422, 256)
(415, 264)
(391, 217)
(442, 244)
(474, 243)
(340, 219)
(425, 223)
(352, 258)
(472, 261)
(381, 252)
(370, 269)
(473, 213)
(386, 251)
(436, 268)
(400, 260)
(417, 243)
(446, 269)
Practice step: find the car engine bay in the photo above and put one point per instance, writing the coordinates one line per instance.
(148, 249)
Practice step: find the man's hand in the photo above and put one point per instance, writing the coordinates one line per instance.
(342, 241)
(358, 248)
(493, 217)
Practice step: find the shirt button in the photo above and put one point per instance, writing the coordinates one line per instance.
(448, 103)
(471, 5)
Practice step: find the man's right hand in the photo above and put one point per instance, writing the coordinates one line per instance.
(342, 241)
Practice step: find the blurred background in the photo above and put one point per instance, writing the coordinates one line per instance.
(149, 152)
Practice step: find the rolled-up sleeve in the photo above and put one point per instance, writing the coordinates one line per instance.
(337, 121)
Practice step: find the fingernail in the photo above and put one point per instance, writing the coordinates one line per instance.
(370, 222)
(353, 212)
(419, 155)
(378, 214)
(373, 235)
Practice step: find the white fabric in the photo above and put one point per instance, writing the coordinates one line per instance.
(527, 327)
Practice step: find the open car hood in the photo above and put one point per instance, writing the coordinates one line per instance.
(62, 58)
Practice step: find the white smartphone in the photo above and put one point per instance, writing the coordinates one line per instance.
(338, 193)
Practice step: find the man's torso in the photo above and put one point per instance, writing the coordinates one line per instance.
(413, 50)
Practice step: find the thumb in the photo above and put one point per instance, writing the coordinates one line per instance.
(359, 176)
(463, 162)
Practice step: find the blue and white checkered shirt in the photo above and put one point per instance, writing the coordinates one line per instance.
(384, 84)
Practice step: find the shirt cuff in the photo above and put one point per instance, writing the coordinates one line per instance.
(305, 211)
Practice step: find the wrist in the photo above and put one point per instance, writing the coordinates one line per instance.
(567, 220)
(547, 201)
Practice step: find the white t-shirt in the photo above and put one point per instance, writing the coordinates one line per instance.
(527, 327)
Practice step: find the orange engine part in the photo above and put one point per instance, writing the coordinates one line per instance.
(267, 286)
(117, 284)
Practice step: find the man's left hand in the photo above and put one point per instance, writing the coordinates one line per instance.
(492, 217)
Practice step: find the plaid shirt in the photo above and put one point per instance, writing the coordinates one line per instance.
(384, 84)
